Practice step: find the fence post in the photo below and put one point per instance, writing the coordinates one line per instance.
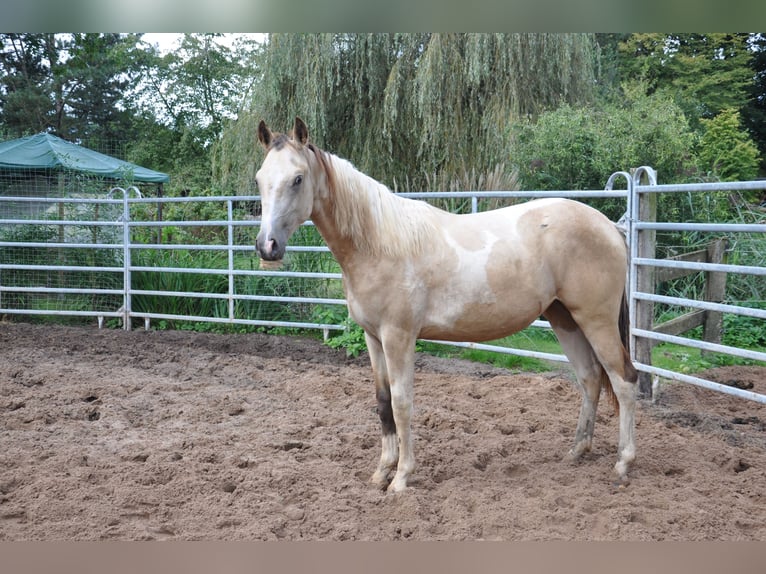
(715, 291)
(646, 248)
(126, 306)
(230, 254)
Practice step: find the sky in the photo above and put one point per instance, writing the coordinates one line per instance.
(167, 41)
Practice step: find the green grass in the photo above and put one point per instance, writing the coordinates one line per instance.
(529, 339)
(688, 360)
(352, 340)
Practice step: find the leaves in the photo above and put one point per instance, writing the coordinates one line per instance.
(726, 150)
(405, 105)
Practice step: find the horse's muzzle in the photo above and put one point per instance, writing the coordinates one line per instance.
(269, 248)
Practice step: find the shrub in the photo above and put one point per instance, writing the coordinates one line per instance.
(726, 151)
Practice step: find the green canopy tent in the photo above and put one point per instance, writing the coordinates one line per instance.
(47, 188)
(47, 166)
(47, 152)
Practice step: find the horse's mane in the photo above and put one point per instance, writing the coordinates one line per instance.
(377, 220)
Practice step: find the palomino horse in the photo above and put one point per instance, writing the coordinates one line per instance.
(414, 271)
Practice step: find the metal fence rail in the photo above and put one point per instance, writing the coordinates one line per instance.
(114, 259)
(126, 225)
(641, 225)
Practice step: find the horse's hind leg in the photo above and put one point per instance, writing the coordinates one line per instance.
(587, 368)
(389, 454)
(625, 391)
(607, 345)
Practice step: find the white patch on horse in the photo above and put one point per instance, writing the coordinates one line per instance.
(449, 304)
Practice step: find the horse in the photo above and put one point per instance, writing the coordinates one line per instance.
(411, 270)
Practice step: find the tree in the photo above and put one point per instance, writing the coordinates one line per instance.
(25, 83)
(726, 150)
(200, 86)
(186, 98)
(72, 85)
(580, 147)
(754, 113)
(705, 72)
(94, 74)
(403, 106)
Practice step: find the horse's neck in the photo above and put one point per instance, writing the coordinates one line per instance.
(358, 215)
(337, 211)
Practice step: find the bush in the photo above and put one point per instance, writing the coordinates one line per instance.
(579, 148)
(726, 151)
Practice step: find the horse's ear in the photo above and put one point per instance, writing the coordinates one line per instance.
(300, 131)
(264, 134)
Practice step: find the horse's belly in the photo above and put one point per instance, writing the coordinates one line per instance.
(479, 322)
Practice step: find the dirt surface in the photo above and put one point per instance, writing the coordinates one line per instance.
(112, 435)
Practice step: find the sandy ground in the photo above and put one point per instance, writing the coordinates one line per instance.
(112, 435)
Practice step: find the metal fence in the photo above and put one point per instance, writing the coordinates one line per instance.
(642, 227)
(133, 261)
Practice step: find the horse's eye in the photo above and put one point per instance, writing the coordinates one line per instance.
(298, 180)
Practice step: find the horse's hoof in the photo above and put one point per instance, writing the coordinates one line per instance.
(380, 480)
(396, 486)
(572, 457)
(622, 483)
(621, 469)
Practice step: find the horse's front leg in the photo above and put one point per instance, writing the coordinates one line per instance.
(389, 454)
(399, 352)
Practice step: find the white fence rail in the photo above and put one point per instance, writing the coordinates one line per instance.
(115, 259)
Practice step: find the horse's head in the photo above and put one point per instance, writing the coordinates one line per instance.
(285, 186)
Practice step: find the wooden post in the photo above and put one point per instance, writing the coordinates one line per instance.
(644, 319)
(715, 291)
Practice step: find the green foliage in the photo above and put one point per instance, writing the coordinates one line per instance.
(404, 105)
(580, 147)
(688, 360)
(745, 332)
(70, 84)
(213, 283)
(199, 86)
(726, 150)
(351, 339)
(177, 281)
(706, 73)
(754, 112)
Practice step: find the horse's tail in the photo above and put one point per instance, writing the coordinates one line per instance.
(630, 373)
(607, 386)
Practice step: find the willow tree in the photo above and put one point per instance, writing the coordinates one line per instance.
(408, 108)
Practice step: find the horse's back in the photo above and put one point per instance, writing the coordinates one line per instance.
(549, 230)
